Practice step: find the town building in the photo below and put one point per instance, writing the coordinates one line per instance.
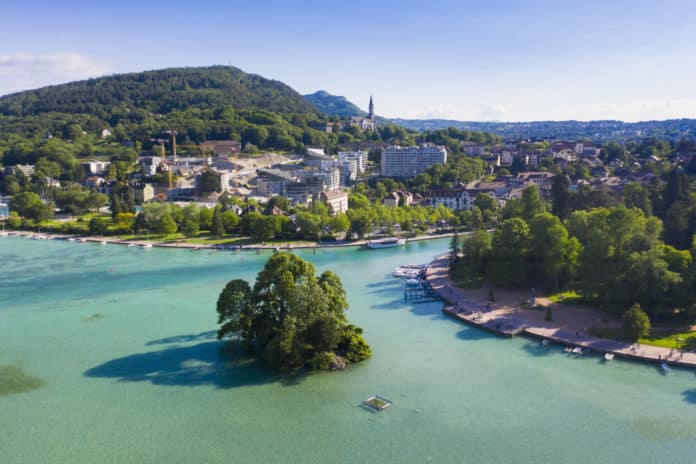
(336, 200)
(149, 164)
(365, 123)
(456, 198)
(143, 193)
(398, 198)
(96, 168)
(331, 177)
(360, 157)
(221, 147)
(407, 162)
(26, 169)
(473, 149)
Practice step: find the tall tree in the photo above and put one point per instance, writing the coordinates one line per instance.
(560, 196)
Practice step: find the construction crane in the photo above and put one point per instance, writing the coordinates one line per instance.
(171, 167)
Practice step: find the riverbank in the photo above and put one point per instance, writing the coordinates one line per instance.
(570, 326)
(197, 246)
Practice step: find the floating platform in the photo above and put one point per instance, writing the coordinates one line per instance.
(377, 403)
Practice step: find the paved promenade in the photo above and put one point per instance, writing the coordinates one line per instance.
(508, 320)
(229, 247)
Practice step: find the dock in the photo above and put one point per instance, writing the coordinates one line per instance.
(421, 293)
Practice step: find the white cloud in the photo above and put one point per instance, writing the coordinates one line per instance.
(441, 112)
(21, 71)
(494, 113)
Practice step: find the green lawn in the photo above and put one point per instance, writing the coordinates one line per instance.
(657, 337)
(670, 340)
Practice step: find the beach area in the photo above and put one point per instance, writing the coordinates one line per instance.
(571, 325)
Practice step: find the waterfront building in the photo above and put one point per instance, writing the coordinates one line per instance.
(410, 161)
(456, 198)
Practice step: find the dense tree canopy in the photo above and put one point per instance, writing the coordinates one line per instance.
(291, 318)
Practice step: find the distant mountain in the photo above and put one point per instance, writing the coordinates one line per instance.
(673, 129)
(333, 105)
(159, 92)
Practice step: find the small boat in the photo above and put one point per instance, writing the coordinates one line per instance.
(577, 350)
(608, 356)
(665, 368)
(386, 243)
(82, 240)
(132, 245)
(567, 349)
(103, 242)
(71, 239)
(413, 283)
(146, 245)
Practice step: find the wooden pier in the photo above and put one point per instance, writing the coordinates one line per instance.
(421, 293)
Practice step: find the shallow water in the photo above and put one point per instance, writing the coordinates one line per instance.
(123, 340)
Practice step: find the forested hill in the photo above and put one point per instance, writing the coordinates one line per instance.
(159, 92)
(217, 102)
(333, 105)
(598, 131)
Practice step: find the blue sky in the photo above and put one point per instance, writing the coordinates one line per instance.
(472, 60)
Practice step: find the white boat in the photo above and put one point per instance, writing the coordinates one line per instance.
(577, 350)
(386, 243)
(408, 273)
(131, 245)
(103, 242)
(567, 349)
(146, 245)
(413, 283)
(608, 356)
(665, 368)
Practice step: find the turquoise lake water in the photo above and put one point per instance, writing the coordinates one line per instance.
(148, 382)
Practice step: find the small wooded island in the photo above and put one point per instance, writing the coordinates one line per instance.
(291, 318)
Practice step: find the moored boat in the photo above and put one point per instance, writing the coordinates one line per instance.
(608, 356)
(386, 243)
(665, 368)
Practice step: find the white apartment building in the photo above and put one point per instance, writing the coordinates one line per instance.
(410, 161)
(331, 177)
(359, 156)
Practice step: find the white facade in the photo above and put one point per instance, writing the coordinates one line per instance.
(455, 199)
(411, 161)
(336, 200)
(359, 156)
(96, 168)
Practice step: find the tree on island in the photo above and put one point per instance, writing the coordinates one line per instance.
(291, 318)
(636, 323)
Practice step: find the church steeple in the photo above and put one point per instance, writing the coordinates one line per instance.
(371, 109)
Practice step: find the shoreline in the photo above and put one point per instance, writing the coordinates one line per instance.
(510, 321)
(198, 246)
